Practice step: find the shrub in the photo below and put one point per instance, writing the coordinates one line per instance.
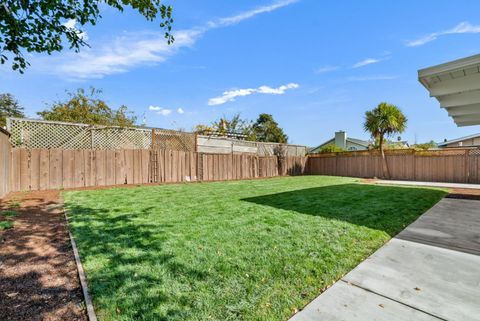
(331, 148)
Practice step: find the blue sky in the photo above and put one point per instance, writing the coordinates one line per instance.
(317, 66)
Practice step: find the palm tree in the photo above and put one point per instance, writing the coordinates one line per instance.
(383, 121)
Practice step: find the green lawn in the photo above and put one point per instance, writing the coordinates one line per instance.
(243, 250)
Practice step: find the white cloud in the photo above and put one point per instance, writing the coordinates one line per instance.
(72, 24)
(325, 69)
(365, 62)
(276, 91)
(232, 94)
(249, 14)
(462, 27)
(180, 110)
(160, 110)
(135, 49)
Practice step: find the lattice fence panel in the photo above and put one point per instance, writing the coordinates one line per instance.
(31, 134)
(43, 134)
(173, 140)
(121, 138)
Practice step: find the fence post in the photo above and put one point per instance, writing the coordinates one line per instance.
(467, 166)
(153, 139)
(196, 142)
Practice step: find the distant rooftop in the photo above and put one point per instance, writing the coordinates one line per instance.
(453, 141)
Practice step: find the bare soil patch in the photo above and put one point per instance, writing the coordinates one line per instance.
(38, 274)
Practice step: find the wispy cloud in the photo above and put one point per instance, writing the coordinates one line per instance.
(164, 111)
(370, 78)
(228, 21)
(160, 110)
(134, 49)
(366, 62)
(230, 95)
(324, 69)
(462, 27)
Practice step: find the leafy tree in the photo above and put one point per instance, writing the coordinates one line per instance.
(40, 26)
(266, 129)
(331, 148)
(224, 126)
(426, 146)
(9, 107)
(85, 107)
(381, 122)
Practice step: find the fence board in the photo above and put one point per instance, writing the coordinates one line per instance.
(5, 164)
(40, 169)
(458, 166)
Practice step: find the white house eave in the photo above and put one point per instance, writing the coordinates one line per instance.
(456, 85)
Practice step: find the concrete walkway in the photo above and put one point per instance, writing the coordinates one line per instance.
(430, 271)
(429, 184)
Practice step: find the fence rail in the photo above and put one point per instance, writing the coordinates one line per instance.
(452, 165)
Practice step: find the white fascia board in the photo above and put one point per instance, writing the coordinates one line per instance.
(467, 118)
(452, 66)
(456, 86)
(463, 110)
(462, 99)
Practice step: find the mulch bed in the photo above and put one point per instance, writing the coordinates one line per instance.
(38, 274)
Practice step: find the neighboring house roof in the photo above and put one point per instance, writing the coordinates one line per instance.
(356, 141)
(359, 141)
(448, 142)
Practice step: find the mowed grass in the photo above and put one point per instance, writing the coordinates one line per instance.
(243, 250)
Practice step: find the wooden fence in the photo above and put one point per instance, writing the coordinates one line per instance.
(42, 169)
(451, 165)
(5, 162)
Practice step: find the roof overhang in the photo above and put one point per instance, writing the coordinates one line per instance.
(456, 85)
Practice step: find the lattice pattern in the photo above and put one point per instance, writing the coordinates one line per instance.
(42, 134)
(173, 140)
(474, 152)
(31, 134)
(269, 149)
(121, 138)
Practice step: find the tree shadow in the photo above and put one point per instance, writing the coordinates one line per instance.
(385, 208)
(126, 245)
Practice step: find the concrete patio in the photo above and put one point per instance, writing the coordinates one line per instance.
(430, 271)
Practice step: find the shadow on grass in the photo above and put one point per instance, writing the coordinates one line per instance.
(126, 244)
(385, 208)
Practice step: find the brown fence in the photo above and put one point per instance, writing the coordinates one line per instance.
(5, 162)
(454, 165)
(41, 169)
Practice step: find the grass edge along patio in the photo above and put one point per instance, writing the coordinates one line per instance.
(243, 250)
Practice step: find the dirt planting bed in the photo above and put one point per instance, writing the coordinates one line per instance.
(38, 274)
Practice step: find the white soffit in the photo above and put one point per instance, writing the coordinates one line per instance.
(456, 85)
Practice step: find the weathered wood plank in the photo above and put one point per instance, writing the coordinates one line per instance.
(55, 171)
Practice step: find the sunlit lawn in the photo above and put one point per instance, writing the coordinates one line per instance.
(243, 250)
